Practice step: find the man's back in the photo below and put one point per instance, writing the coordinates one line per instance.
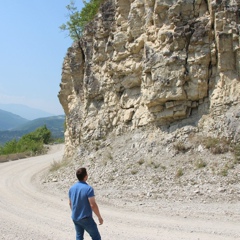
(79, 194)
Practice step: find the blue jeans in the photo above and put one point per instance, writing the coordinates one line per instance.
(89, 225)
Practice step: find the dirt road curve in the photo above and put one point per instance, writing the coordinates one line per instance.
(27, 212)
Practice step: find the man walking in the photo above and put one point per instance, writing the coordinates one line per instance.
(82, 203)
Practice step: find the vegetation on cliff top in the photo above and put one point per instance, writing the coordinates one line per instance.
(77, 20)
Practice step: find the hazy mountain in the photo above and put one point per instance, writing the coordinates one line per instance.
(53, 123)
(25, 111)
(9, 120)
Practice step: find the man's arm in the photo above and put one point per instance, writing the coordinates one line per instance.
(95, 209)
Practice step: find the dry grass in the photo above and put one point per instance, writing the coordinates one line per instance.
(200, 164)
(181, 147)
(236, 152)
(179, 172)
(14, 156)
(56, 165)
(216, 145)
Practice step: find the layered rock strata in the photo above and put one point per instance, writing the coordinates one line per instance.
(163, 63)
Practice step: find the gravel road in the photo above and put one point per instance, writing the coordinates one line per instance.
(28, 211)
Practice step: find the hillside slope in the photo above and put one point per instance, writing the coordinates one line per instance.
(158, 174)
(53, 123)
(10, 120)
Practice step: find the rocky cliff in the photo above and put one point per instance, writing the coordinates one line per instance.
(154, 64)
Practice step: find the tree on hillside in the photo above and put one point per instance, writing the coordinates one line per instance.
(42, 134)
(79, 19)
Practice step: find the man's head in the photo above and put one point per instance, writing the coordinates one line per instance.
(81, 174)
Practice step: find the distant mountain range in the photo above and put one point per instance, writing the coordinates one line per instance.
(25, 111)
(13, 126)
(9, 120)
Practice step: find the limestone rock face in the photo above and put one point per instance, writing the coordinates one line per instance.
(163, 63)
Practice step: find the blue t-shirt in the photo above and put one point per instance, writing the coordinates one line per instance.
(78, 195)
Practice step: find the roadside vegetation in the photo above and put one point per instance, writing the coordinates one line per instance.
(28, 145)
(77, 20)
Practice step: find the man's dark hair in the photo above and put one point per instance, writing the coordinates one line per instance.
(81, 173)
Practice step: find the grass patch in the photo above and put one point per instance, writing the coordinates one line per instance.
(107, 157)
(200, 164)
(56, 165)
(181, 147)
(216, 145)
(163, 167)
(15, 156)
(150, 163)
(227, 167)
(140, 161)
(134, 171)
(224, 172)
(236, 153)
(179, 173)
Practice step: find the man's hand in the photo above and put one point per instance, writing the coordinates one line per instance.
(100, 221)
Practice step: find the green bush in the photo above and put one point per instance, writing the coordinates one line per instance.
(9, 147)
(31, 142)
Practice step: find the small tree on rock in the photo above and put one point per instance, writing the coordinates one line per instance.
(79, 19)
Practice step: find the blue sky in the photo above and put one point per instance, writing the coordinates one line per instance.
(32, 49)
